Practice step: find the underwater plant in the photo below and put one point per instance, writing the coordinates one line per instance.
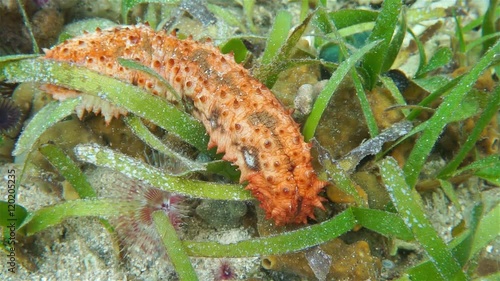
(377, 185)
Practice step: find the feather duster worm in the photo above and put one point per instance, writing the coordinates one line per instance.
(243, 118)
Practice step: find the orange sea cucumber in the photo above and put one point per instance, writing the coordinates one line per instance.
(241, 115)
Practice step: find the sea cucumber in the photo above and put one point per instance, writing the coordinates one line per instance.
(243, 118)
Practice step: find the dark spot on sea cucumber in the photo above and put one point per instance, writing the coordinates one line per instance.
(200, 57)
(263, 118)
(214, 118)
(251, 157)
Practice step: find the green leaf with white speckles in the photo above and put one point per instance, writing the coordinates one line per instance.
(52, 215)
(173, 246)
(440, 119)
(44, 119)
(122, 94)
(11, 212)
(283, 243)
(324, 97)
(409, 205)
(69, 169)
(105, 157)
(140, 130)
(383, 31)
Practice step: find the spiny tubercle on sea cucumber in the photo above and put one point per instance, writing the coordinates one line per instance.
(241, 115)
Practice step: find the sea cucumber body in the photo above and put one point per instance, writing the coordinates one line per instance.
(243, 118)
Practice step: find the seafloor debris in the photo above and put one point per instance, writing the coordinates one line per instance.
(348, 262)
